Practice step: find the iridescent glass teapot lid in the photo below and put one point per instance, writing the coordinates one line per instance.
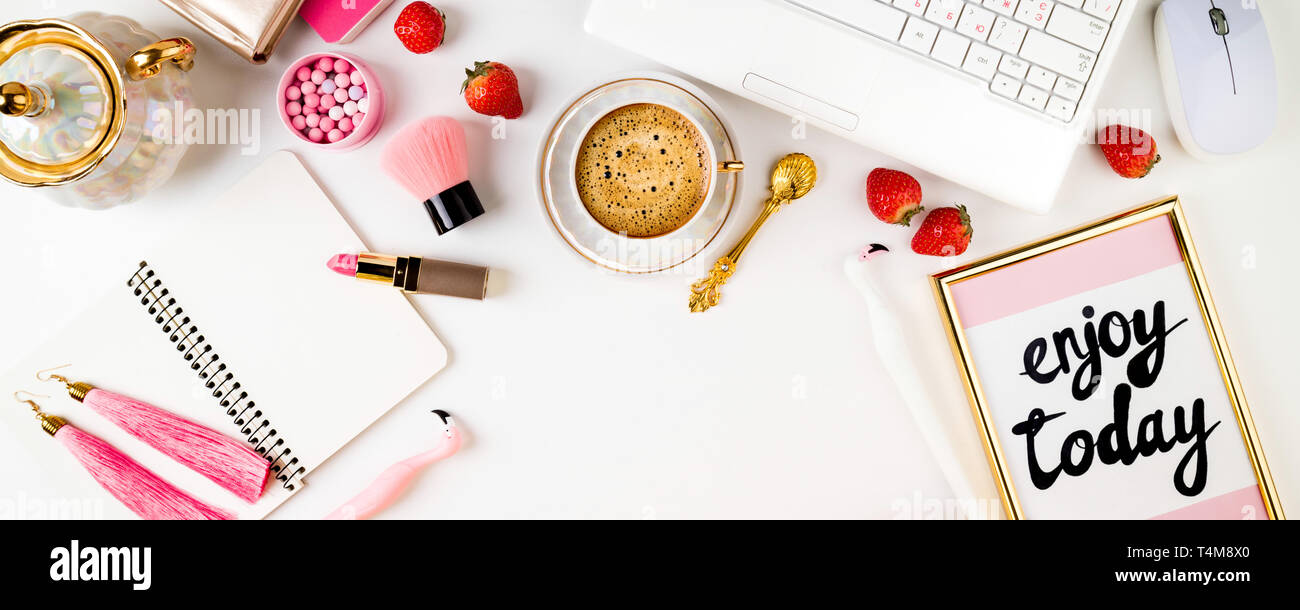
(62, 102)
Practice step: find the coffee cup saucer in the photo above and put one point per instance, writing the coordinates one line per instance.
(557, 189)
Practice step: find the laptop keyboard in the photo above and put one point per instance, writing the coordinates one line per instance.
(1039, 53)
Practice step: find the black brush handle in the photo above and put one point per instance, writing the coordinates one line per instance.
(453, 207)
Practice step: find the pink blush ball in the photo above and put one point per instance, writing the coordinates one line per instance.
(345, 125)
(312, 120)
(303, 73)
(327, 102)
(308, 87)
(342, 80)
(340, 95)
(311, 100)
(335, 135)
(299, 122)
(326, 123)
(317, 77)
(342, 65)
(357, 118)
(293, 94)
(293, 108)
(315, 135)
(325, 64)
(356, 78)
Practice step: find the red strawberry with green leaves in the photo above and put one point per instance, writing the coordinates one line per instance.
(1129, 150)
(893, 196)
(491, 88)
(420, 27)
(944, 232)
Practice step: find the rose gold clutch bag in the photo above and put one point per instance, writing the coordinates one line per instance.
(250, 28)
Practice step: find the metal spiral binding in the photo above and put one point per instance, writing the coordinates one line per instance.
(195, 349)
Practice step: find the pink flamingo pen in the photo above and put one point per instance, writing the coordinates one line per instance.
(390, 484)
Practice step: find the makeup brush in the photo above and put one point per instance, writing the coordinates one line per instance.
(428, 159)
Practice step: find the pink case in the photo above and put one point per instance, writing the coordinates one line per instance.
(337, 24)
(368, 128)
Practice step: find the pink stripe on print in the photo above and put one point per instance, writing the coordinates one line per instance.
(1232, 505)
(1100, 261)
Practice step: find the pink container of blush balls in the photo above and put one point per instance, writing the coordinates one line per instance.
(362, 131)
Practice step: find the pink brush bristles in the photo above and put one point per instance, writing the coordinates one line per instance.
(140, 490)
(428, 157)
(226, 461)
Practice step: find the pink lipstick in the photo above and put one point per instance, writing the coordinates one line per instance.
(413, 274)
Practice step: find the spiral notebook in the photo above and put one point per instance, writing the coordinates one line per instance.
(238, 324)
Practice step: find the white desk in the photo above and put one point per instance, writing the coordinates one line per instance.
(590, 395)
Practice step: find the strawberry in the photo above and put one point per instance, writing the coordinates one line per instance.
(893, 196)
(945, 232)
(420, 27)
(1129, 150)
(491, 88)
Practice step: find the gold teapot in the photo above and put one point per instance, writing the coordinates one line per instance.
(81, 100)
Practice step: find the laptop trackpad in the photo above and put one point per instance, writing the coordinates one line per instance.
(826, 69)
(799, 104)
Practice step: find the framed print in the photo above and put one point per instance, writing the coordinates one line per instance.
(1100, 379)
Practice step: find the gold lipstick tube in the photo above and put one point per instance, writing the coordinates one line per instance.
(423, 275)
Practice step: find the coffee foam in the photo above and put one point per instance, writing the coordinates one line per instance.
(643, 169)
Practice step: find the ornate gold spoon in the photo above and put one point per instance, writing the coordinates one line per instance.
(794, 175)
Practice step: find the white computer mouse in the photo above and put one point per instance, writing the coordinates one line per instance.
(1217, 66)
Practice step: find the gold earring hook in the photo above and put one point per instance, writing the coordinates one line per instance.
(76, 389)
(49, 423)
(46, 375)
(35, 407)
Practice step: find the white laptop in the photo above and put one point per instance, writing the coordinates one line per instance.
(993, 94)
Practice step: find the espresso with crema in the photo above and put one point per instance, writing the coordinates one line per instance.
(643, 170)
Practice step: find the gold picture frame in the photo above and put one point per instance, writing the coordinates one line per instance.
(943, 283)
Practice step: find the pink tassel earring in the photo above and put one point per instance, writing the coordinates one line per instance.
(137, 487)
(226, 461)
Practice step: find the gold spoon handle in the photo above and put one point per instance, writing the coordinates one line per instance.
(705, 293)
(792, 178)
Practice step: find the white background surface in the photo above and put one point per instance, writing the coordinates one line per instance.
(590, 395)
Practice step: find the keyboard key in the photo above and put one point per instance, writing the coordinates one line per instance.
(944, 12)
(871, 17)
(1058, 55)
(1007, 35)
(975, 22)
(1043, 79)
(1002, 7)
(919, 35)
(950, 48)
(1079, 28)
(981, 61)
(1101, 8)
(915, 7)
(1034, 12)
(1068, 89)
(1033, 97)
(1014, 67)
(1005, 86)
(1060, 108)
